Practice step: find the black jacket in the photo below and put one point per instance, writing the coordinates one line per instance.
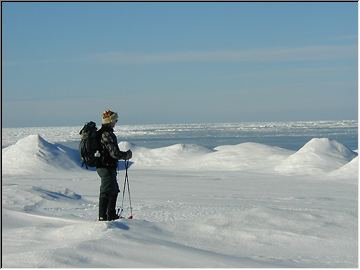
(109, 149)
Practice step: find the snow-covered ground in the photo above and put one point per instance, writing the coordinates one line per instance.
(245, 205)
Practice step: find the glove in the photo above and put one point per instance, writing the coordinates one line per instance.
(128, 155)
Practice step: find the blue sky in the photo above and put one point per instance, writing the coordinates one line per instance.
(65, 63)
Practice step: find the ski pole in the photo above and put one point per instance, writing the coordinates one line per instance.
(128, 186)
(126, 181)
(123, 196)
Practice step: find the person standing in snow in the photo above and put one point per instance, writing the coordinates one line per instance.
(107, 166)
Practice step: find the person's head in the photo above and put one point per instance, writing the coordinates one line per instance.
(109, 117)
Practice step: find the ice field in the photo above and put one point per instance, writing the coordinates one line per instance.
(243, 205)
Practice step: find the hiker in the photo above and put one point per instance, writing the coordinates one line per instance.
(107, 165)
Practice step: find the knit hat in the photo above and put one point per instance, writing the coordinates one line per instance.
(109, 117)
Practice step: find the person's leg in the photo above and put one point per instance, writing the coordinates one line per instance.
(111, 207)
(103, 204)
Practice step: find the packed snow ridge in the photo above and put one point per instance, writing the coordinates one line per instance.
(35, 153)
(319, 155)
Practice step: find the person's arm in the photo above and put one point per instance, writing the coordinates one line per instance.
(112, 147)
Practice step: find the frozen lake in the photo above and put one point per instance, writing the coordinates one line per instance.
(289, 135)
(214, 195)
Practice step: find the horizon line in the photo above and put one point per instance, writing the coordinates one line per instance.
(190, 123)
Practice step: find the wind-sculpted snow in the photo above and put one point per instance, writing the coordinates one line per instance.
(34, 153)
(193, 207)
(181, 156)
(349, 171)
(182, 219)
(317, 156)
(56, 195)
(34, 199)
(244, 156)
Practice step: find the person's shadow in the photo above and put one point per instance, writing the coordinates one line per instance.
(118, 225)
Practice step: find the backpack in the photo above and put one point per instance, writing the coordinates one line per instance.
(89, 145)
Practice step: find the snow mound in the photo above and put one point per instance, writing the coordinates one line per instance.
(349, 170)
(34, 153)
(319, 155)
(179, 149)
(243, 156)
(177, 156)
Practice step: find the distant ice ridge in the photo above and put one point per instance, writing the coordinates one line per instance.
(318, 156)
(303, 128)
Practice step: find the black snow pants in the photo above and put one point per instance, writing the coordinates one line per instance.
(109, 190)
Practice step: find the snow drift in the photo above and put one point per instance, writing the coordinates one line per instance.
(349, 170)
(319, 155)
(35, 153)
(245, 156)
